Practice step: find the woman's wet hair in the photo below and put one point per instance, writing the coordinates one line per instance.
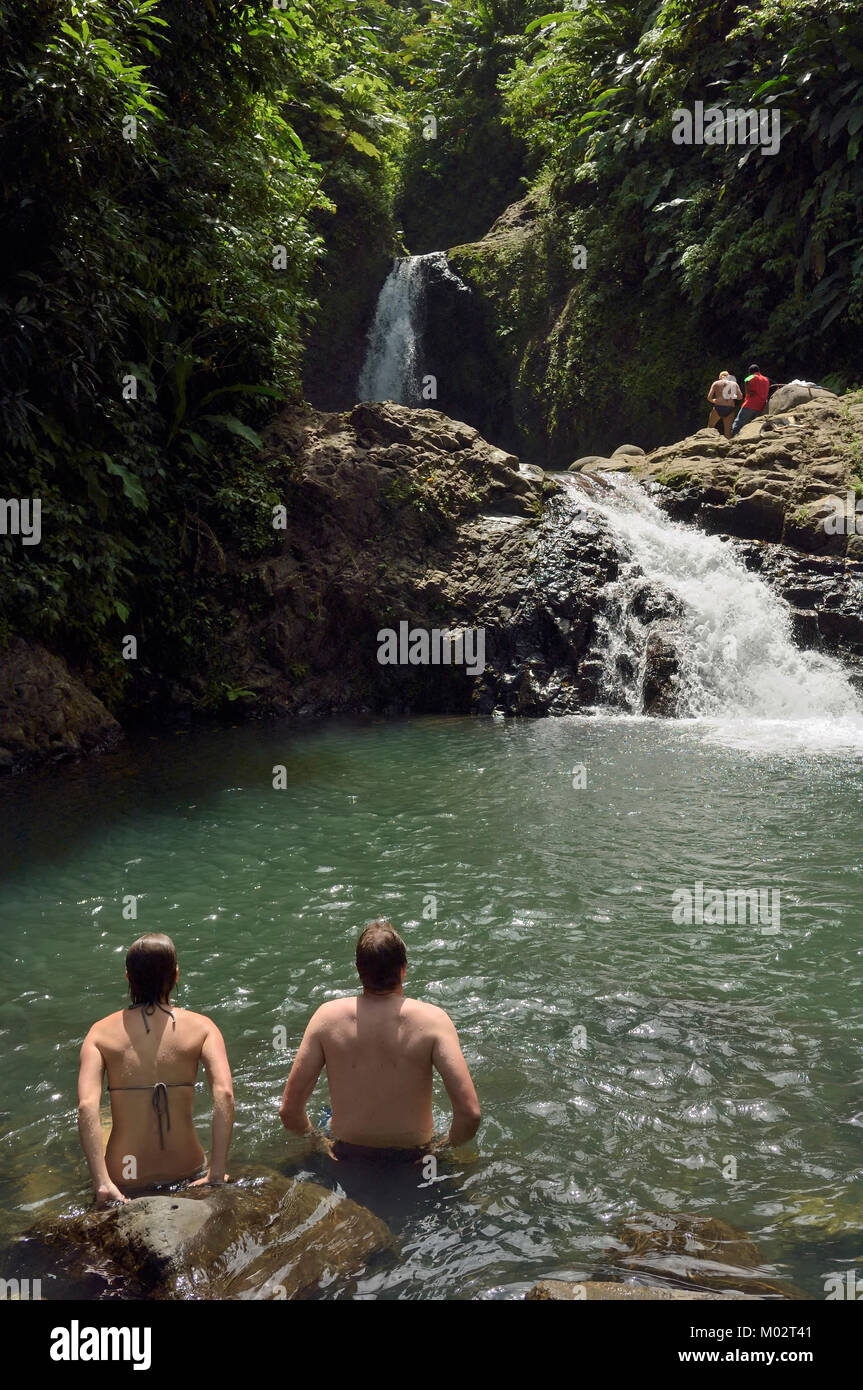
(381, 956)
(151, 964)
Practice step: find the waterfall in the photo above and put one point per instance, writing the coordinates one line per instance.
(391, 369)
(732, 633)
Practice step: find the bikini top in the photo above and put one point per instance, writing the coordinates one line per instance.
(160, 1088)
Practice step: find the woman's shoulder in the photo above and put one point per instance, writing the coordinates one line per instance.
(187, 1018)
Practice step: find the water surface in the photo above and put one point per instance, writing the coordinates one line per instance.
(620, 1058)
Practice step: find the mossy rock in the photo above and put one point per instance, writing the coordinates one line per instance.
(265, 1237)
(703, 1251)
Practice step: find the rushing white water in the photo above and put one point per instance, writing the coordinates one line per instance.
(739, 662)
(391, 370)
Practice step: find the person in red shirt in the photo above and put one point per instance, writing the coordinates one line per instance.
(757, 391)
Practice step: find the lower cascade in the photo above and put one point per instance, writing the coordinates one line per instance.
(683, 597)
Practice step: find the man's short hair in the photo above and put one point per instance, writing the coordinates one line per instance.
(753, 367)
(381, 956)
(151, 964)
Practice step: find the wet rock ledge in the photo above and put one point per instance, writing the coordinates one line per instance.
(264, 1238)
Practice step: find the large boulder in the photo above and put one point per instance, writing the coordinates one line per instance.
(589, 462)
(267, 1237)
(47, 712)
(787, 397)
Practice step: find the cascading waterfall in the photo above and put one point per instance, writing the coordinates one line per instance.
(391, 369)
(729, 633)
(389, 372)
(738, 660)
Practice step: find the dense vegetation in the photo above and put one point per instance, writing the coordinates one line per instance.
(697, 255)
(199, 197)
(163, 165)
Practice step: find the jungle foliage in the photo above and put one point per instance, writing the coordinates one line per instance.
(722, 250)
(192, 190)
(163, 163)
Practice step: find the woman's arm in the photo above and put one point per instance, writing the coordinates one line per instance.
(215, 1061)
(90, 1075)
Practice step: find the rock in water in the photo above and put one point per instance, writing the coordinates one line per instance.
(46, 711)
(702, 1251)
(268, 1238)
(661, 670)
(595, 1290)
(589, 462)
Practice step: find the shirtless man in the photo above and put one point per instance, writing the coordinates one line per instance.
(151, 1053)
(379, 1049)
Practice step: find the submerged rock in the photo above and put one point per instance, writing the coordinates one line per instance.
(270, 1237)
(704, 1251)
(595, 1290)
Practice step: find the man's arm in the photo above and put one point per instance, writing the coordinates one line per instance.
(90, 1074)
(307, 1067)
(448, 1059)
(214, 1058)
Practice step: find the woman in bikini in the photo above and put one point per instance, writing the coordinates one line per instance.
(151, 1052)
(723, 396)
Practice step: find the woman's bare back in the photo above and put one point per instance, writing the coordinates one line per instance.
(151, 1080)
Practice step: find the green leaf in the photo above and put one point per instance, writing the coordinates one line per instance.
(236, 427)
(245, 390)
(558, 17)
(834, 313)
(359, 142)
(131, 485)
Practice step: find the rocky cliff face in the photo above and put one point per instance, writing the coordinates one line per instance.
(396, 516)
(588, 350)
(405, 516)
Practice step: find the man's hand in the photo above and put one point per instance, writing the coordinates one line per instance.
(108, 1192)
(322, 1143)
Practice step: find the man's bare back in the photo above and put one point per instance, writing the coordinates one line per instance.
(380, 1050)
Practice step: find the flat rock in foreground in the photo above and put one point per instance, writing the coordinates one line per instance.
(271, 1238)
